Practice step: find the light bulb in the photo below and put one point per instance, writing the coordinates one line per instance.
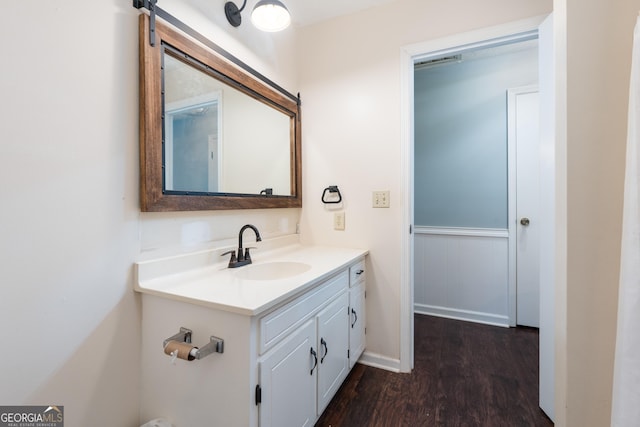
(270, 15)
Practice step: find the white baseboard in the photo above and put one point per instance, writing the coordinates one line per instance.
(380, 361)
(457, 314)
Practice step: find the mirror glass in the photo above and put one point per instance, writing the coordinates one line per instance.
(218, 139)
(214, 133)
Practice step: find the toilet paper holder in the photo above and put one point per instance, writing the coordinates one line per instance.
(215, 344)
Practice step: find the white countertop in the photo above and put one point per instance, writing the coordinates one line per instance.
(196, 279)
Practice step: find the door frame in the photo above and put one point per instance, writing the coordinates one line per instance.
(506, 33)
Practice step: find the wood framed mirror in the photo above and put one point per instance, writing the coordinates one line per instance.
(212, 136)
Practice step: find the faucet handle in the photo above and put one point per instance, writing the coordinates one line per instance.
(233, 256)
(247, 255)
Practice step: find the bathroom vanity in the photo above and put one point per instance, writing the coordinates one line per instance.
(292, 325)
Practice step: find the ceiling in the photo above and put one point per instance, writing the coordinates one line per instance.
(307, 12)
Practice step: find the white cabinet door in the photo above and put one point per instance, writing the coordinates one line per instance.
(333, 345)
(356, 323)
(288, 380)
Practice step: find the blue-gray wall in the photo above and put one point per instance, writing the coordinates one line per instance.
(461, 139)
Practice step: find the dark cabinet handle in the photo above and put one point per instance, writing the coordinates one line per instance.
(326, 350)
(355, 315)
(359, 272)
(315, 358)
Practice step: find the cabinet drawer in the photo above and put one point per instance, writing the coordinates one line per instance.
(276, 325)
(357, 272)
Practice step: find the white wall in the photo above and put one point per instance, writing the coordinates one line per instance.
(350, 85)
(70, 224)
(462, 274)
(257, 153)
(594, 39)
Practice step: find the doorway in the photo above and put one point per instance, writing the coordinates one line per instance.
(448, 46)
(463, 159)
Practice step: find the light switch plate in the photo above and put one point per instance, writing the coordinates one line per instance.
(381, 199)
(338, 221)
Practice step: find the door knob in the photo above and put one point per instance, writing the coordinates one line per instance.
(525, 221)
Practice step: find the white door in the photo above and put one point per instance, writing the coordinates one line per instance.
(548, 214)
(524, 128)
(214, 163)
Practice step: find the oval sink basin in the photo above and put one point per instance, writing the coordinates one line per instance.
(272, 270)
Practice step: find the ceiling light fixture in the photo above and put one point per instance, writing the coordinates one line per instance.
(267, 15)
(270, 15)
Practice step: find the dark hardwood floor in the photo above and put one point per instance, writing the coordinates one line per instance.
(465, 374)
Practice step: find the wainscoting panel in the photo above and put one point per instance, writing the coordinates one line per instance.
(462, 274)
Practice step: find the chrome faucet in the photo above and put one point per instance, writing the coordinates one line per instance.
(243, 257)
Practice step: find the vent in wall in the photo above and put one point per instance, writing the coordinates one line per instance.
(437, 61)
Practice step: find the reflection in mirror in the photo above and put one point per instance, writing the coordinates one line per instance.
(212, 136)
(217, 139)
(192, 149)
